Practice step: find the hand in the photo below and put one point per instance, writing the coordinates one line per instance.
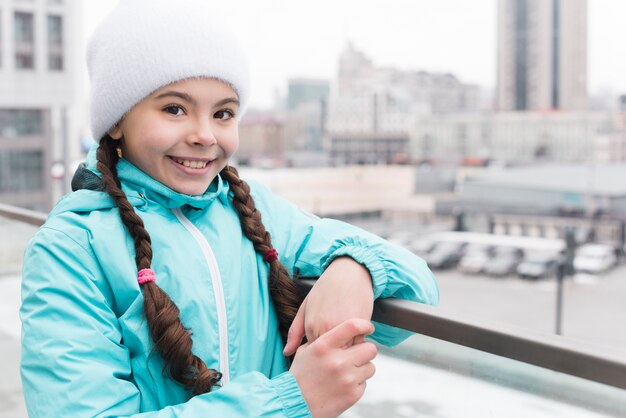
(332, 371)
(342, 292)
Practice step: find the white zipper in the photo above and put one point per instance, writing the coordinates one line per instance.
(218, 291)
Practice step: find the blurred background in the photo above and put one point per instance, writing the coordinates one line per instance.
(487, 136)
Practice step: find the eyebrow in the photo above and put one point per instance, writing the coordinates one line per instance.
(191, 100)
(178, 94)
(228, 100)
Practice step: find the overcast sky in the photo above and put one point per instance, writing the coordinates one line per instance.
(290, 38)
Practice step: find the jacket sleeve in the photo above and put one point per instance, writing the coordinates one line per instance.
(74, 362)
(307, 244)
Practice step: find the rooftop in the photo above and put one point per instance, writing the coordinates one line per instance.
(601, 179)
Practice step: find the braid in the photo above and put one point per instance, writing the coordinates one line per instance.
(171, 339)
(283, 290)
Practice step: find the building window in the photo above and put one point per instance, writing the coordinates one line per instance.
(55, 62)
(20, 122)
(55, 43)
(24, 41)
(55, 30)
(21, 170)
(24, 30)
(24, 61)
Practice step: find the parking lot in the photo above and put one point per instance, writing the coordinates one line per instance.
(503, 255)
(513, 280)
(594, 311)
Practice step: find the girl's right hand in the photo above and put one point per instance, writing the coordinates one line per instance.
(332, 370)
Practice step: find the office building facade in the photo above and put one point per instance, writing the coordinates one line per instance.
(39, 75)
(520, 137)
(305, 122)
(372, 110)
(542, 55)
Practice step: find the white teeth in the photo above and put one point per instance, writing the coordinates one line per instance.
(192, 164)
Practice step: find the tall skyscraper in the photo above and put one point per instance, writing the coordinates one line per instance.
(542, 54)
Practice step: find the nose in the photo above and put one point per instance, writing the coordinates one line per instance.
(202, 133)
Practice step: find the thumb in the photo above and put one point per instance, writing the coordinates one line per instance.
(296, 333)
(344, 334)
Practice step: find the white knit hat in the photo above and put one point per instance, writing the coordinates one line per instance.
(144, 45)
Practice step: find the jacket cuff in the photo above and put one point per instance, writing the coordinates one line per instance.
(365, 256)
(290, 395)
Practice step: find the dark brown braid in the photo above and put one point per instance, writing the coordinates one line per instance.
(283, 290)
(171, 339)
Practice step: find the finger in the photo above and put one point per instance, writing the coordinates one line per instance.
(360, 390)
(303, 347)
(363, 353)
(366, 372)
(296, 333)
(358, 339)
(343, 334)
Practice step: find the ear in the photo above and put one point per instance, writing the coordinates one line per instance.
(115, 132)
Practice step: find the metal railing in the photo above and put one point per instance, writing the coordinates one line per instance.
(550, 352)
(22, 215)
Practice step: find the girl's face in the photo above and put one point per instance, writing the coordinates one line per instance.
(183, 134)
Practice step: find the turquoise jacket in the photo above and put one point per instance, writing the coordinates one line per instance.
(86, 351)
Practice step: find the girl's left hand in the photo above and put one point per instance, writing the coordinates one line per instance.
(344, 291)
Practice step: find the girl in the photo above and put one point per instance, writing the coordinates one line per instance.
(161, 286)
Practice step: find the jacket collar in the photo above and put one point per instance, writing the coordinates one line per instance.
(136, 183)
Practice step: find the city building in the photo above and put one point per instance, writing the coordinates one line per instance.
(261, 140)
(547, 199)
(542, 55)
(520, 137)
(306, 90)
(305, 122)
(372, 109)
(548, 189)
(400, 90)
(368, 128)
(39, 78)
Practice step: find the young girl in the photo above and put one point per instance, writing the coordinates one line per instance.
(161, 287)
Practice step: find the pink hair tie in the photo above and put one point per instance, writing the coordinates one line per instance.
(145, 276)
(270, 255)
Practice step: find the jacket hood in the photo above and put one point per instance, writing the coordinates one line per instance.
(88, 191)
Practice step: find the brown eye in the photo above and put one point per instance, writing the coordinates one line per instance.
(224, 114)
(175, 110)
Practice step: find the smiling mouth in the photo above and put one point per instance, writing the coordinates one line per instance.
(191, 163)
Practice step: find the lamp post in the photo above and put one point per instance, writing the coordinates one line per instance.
(566, 268)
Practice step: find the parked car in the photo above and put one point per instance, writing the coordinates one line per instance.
(594, 258)
(504, 261)
(475, 258)
(538, 266)
(422, 246)
(446, 254)
(402, 238)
